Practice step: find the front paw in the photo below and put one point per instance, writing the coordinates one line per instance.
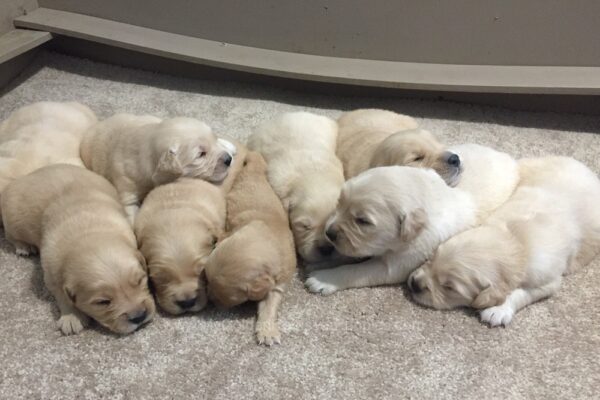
(321, 282)
(71, 324)
(24, 249)
(267, 333)
(496, 316)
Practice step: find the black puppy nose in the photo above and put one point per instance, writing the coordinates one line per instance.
(454, 160)
(413, 286)
(331, 234)
(227, 160)
(185, 304)
(325, 249)
(139, 317)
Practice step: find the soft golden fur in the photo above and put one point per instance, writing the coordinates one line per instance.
(304, 171)
(520, 253)
(137, 153)
(88, 250)
(369, 138)
(256, 260)
(41, 134)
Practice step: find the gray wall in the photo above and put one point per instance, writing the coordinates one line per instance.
(10, 9)
(486, 32)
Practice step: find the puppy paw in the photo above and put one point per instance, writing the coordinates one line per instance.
(267, 333)
(321, 282)
(24, 249)
(496, 316)
(71, 324)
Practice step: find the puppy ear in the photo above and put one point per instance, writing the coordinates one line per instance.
(70, 293)
(260, 287)
(489, 297)
(412, 224)
(168, 165)
(142, 261)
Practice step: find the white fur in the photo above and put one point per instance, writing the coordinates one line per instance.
(448, 211)
(304, 171)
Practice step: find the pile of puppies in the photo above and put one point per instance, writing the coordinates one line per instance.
(133, 208)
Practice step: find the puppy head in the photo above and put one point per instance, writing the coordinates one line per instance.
(477, 268)
(192, 150)
(418, 148)
(176, 269)
(382, 209)
(309, 213)
(240, 268)
(107, 281)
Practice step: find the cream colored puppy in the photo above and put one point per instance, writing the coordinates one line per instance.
(177, 228)
(256, 260)
(521, 252)
(395, 215)
(41, 134)
(371, 138)
(137, 153)
(489, 176)
(299, 148)
(488, 180)
(88, 250)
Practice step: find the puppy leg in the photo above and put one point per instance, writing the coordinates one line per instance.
(516, 300)
(71, 321)
(373, 272)
(23, 249)
(267, 330)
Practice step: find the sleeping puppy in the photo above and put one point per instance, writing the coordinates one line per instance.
(257, 259)
(88, 251)
(304, 171)
(370, 138)
(519, 255)
(137, 153)
(177, 228)
(488, 180)
(41, 134)
(397, 216)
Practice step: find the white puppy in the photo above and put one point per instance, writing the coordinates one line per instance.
(41, 134)
(304, 171)
(395, 215)
(88, 250)
(137, 153)
(488, 179)
(521, 252)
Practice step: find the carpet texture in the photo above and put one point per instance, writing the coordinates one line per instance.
(366, 343)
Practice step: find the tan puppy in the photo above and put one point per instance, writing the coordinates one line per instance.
(41, 134)
(299, 148)
(177, 228)
(521, 252)
(137, 153)
(371, 138)
(257, 259)
(88, 251)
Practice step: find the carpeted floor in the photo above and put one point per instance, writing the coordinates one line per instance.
(368, 343)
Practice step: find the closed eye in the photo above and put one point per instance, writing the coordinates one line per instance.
(419, 158)
(363, 221)
(142, 280)
(201, 154)
(102, 302)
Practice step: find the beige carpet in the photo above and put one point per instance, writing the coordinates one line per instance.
(358, 344)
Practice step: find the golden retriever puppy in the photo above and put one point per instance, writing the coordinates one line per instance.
(518, 256)
(490, 176)
(304, 171)
(88, 250)
(137, 153)
(370, 138)
(257, 259)
(395, 215)
(41, 134)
